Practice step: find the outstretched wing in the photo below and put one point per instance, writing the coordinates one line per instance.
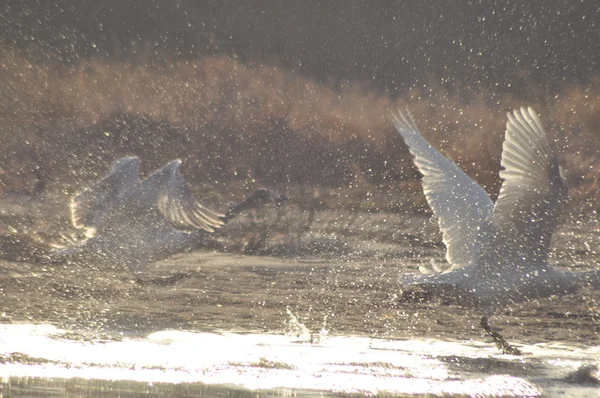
(459, 203)
(533, 191)
(90, 205)
(179, 206)
(152, 207)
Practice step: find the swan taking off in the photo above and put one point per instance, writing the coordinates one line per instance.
(131, 222)
(498, 252)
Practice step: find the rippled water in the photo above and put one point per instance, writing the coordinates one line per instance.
(235, 326)
(42, 359)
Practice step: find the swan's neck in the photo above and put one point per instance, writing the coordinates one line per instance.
(236, 209)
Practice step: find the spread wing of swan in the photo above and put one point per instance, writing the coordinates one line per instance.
(89, 206)
(120, 200)
(459, 203)
(532, 195)
(526, 212)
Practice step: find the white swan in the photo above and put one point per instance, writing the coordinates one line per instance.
(498, 252)
(131, 222)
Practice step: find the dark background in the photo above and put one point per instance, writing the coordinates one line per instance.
(386, 44)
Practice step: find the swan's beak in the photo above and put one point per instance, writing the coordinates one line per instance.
(281, 199)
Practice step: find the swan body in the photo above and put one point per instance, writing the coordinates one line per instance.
(498, 253)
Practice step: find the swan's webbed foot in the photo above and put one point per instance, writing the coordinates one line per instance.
(501, 343)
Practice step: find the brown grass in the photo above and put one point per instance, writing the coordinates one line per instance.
(229, 121)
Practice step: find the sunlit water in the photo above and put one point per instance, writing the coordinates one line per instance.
(187, 364)
(43, 360)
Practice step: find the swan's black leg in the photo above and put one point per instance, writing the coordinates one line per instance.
(498, 339)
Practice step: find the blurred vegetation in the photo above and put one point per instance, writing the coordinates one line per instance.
(61, 125)
(290, 94)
